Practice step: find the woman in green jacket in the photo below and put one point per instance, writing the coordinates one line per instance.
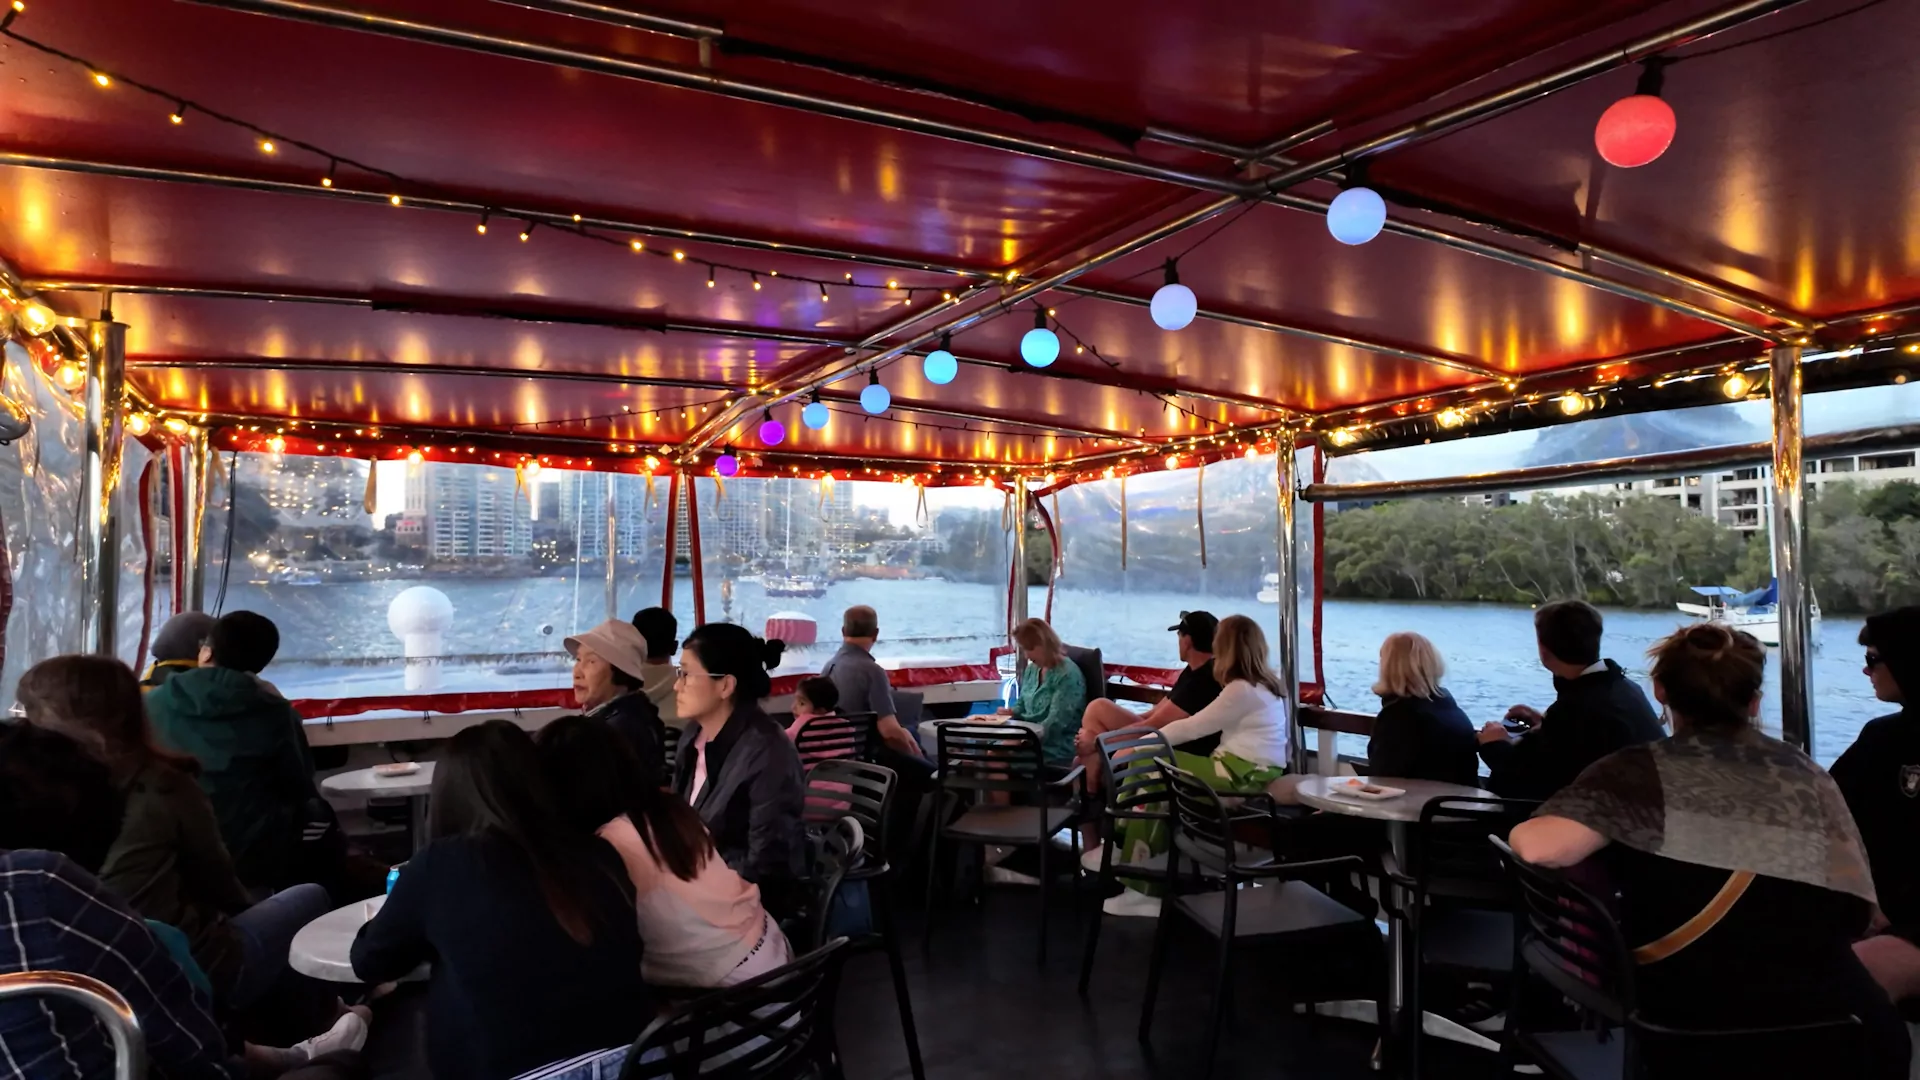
(1053, 693)
(168, 861)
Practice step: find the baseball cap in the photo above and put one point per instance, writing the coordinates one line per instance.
(1198, 625)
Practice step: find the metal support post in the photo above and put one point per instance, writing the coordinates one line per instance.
(1789, 551)
(1017, 573)
(613, 540)
(1287, 547)
(190, 556)
(98, 541)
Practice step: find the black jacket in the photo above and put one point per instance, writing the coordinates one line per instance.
(1592, 716)
(637, 720)
(1880, 777)
(753, 796)
(1424, 739)
(510, 990)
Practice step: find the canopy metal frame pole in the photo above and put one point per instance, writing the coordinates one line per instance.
(1789, 551)
(98, 542)
(1286, 542)
(1017, 574)
(613, 540)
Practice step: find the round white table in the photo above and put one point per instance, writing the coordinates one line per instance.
(414, 787)
(1399, 812)
(323, 948)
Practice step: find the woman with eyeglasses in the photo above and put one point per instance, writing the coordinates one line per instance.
(736, 765)
(1880, 777)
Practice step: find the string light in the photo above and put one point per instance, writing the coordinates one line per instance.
(873, 397)
(327, 180)
(175, 425)
(755, 279)
(394, 199)
(37, 318)
(727, 464)
(679, 256)
(1173, 305)
(1573, 403)
(102, 80)
(709, 277)
(267, 147)
(1040, 346)
(1736, 386)
(1451, 418)
(178, 115)
(637, 246)
(815, 415)
(482, 227)
(139, 424)
(415, 457)
(71, 375)
(526, 233)
(772, 432)
(823, 294)
(940, 365)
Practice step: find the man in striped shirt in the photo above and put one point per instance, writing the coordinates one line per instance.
(55, 916)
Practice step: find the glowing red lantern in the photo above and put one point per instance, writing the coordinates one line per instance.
(1638, 129)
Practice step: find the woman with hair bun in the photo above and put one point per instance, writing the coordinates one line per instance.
(736, 766)
(1740, 877)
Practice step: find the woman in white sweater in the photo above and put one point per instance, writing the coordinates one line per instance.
(1249, 715)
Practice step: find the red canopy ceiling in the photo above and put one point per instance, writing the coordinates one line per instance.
(925, 165)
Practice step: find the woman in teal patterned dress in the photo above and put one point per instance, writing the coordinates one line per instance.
(1053, 693)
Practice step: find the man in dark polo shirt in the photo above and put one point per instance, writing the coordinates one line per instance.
(1194, 690)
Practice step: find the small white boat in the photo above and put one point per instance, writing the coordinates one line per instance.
(1269, 589)
(1756, 612)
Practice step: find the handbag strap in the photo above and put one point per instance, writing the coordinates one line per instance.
(1695, 928)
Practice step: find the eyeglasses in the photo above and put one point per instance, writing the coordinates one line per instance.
(682, 675)
(1873, 659)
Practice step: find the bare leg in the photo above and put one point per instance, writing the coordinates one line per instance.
(1894, 963)
(1101, 717)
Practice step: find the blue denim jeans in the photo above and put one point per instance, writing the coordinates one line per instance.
(266, 932)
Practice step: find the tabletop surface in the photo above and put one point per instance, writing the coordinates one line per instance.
(323, 947)
(366, 782)
(1319, 793)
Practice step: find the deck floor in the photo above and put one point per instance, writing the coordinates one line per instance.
(986, 1011)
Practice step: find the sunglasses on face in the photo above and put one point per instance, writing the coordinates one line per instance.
(1873, 659)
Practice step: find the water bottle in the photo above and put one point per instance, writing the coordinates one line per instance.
(393, 876)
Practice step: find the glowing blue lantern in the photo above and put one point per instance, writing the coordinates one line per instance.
(940, 366)
(815, 415)
(1356, 215)
(1040, 346)
(873, 397)
(1174, 305)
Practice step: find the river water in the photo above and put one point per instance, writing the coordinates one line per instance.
(336, 641)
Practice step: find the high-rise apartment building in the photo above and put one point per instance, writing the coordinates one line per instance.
(470, 511)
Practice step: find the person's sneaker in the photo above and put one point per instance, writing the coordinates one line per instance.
(1134, 903)
(1090, 860)
(347, 1033)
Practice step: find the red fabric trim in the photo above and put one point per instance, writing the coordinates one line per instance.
(673, 538)
(693, 553)
(562, 698)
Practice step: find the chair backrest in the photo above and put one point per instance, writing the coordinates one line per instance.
(840, 735)
(1130, 772)
(96, 997)
(1569, 939)
(772, 1025)
(1202, 829)
(989, 757)
(1450, 853)
(1092, 667)
(840, 788)
(835, 851)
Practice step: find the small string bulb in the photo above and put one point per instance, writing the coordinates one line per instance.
(576, 219)
(327, 180)
(267, 147)
(823, 294)
(102, 79)
(756, 282)
(482, 227)
(178, 115)
(526, 233)
(892, 284)
(19, 5)
(636, 245)
(679, 256)
(709, 277)
(394, 199)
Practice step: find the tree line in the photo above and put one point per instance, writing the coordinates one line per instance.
(1863, 548)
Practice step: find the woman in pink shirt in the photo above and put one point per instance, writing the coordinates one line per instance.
(702, 924)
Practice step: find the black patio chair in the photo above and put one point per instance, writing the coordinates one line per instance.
(839, 789)
(1134, 790)
(837, 849)
(1284, 911)
(775, 1025)
(1460, 902)
(1570, 941)
(975, 759)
